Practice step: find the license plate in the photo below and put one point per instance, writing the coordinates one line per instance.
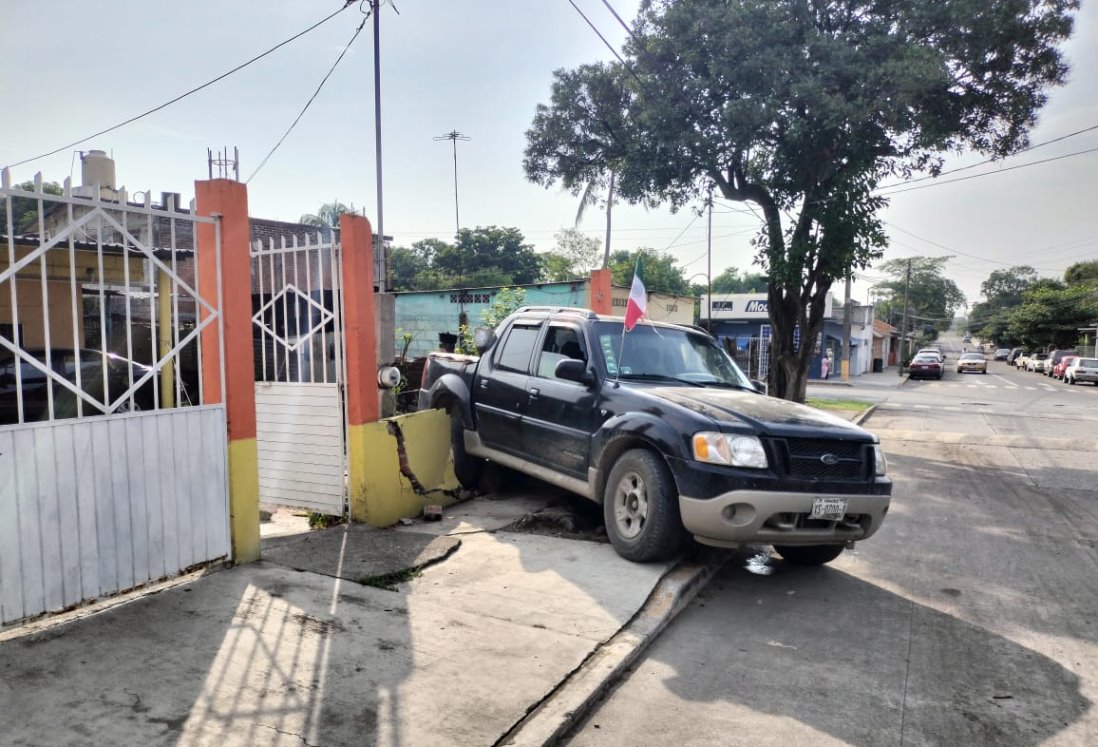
(831, 509)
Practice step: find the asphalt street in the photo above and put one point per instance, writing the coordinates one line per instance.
(969, 619)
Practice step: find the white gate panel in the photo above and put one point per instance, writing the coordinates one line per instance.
(299, 438)
(93, 507)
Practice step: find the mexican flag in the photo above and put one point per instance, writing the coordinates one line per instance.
(638, 300)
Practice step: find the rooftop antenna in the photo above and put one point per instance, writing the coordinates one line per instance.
(227, 168)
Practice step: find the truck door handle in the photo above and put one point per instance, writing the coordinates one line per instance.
(534, 393)
(484, 383)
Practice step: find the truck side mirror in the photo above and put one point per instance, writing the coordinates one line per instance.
(483, 339)
(573, 370)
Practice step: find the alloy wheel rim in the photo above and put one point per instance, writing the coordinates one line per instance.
(630, 505)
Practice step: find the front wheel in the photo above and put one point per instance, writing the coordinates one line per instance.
(809, 554)
(1071, 381)
(468, 469)
(640, 506)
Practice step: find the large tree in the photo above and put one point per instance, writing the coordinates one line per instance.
(24, 210)
(574, 256)
(932, 298)
(801, 107)
(660, 272)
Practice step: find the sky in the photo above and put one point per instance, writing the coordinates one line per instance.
(481, 67)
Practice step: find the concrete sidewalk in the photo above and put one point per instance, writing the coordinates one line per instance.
(454, 633)
(889, 378)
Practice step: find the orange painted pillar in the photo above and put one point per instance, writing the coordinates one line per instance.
(229, 199)
(360, 353)
(600, 301)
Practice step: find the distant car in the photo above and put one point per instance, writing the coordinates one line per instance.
(1020, 361)
(926, 366)
(1002, 354)
(966, 338)
(1082, 369)
(1054, 359)
(932, 351)
(1015, 354)
(1059, 369)
(35, 388)
(1036, 362)
(972, 362)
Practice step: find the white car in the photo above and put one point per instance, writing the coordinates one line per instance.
(1082, 369)
(1036, 362)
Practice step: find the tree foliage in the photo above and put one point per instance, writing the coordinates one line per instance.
(660, 272)
(24, 210)
(932, 298)
(575, 255)
(801, 108)
(327, 216)
(732, 281)
(481, 257)
(1021, 308)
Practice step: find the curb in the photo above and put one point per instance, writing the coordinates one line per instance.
(583, 687)
(904, 379)
(865, 415)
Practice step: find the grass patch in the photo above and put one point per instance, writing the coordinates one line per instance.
(846, 405)
(389, 581)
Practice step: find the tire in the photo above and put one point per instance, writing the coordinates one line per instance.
(1071, 380)
(641, 508)
(467, 469)
(809, 554)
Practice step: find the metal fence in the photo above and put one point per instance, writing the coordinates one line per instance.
(101, 309)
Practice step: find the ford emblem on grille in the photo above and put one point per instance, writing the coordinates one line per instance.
(829, 459)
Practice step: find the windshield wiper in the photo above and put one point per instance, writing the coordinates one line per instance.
(728, 385)
(660, 377)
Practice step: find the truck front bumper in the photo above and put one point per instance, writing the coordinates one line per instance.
(739, 517)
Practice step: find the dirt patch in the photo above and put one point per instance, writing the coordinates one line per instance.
(566, 517)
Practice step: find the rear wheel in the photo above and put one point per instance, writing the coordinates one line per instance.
(1071, 381)
(809, 554)
(468, 469)
(640, 506)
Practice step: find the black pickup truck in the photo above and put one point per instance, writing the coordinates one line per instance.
(662, 428)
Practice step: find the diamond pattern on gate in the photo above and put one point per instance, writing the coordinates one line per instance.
(325, 317)
(103, 215)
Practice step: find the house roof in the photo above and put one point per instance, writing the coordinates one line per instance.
(883, 329)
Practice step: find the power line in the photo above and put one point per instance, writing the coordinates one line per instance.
(991, 173)
(990, 160)
(624, 25)
(182, 96)
(609, 46)
(308, 103)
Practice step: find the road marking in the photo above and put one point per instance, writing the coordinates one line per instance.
(970, 386)
(1031, 389)
(1006, 381)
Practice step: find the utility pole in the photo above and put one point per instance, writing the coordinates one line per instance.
(903, 328)
(846, 329)
(453, 136)
(375, 7)
(709, 264)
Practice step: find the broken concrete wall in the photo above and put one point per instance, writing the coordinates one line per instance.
(409, 467)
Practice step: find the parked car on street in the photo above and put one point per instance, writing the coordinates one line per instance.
(1059, 369)
(1082, 369)
(932, 350)
(662, 428)
(972, 362)
(926, 366)
(1054, 359)
(1015, 354)
(35, 384)
(1002, 354)
(1036, 362)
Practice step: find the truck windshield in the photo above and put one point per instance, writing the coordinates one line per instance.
(666, 354)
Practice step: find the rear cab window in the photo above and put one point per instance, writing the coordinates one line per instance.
(518, 347)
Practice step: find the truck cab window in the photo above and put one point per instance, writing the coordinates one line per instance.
(561, 343)
(517, 348)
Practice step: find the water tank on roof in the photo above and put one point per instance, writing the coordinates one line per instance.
(97, 168)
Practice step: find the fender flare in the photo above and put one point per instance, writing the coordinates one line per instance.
(451, 387)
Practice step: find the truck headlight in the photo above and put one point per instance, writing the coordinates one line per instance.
(729, 449)
(879, 460)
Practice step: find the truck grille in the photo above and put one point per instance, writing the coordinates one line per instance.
(814, 459)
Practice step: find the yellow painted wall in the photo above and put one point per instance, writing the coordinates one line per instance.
(244, 499)
(87, 265)
(32, 313)
(380, 494)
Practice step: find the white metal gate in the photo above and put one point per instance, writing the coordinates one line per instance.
(300, 413)
(112, 466)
